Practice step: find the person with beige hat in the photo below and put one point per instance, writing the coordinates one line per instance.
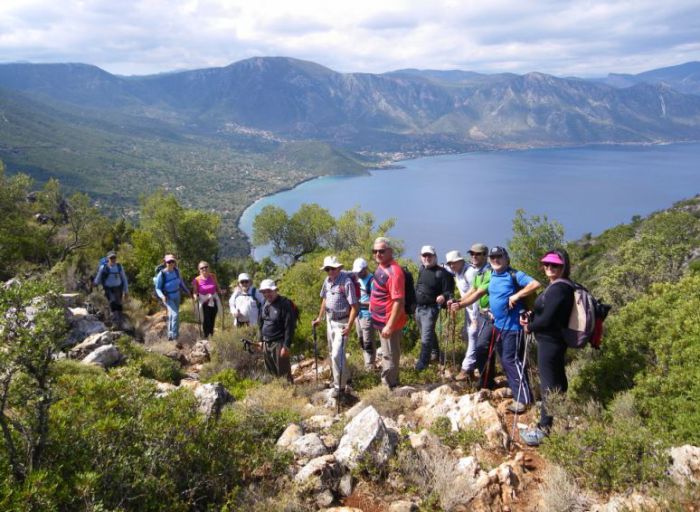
(340, 305)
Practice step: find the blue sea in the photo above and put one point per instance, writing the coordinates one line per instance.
(452, 201)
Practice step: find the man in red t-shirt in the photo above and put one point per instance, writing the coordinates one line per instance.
(386, 306)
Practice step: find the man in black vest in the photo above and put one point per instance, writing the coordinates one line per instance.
(277, 323)
(434, 287)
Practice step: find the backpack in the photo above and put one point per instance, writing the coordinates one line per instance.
(527, 302)
(409, 292)
(356, 283)
(160, 283)
(586, 319)
(104, 274)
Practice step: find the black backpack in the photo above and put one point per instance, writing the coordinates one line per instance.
(409, 292)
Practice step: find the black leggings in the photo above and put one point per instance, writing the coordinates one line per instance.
(208, 319)
(551, 361)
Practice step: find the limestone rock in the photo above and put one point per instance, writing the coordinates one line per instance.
(92, 342)
(319, 473)
(305, 371)
(342, 509)
(403, 506)
(324, 498)
(365, 439)
(290, 434)
(199, 353)
(77, 313)
(686, 464)
(212, 398)
(318, 423)
(69, 299)
(345, 485)
(309, 446)
(105, 356)
(355, 410)
(633, 503)
(82, 328)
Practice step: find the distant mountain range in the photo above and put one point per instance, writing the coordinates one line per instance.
(266, 123)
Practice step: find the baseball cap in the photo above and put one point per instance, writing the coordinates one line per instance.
(332, 262)
(359, 264)
(243, 277)
(478, 248)
(427, 249)
(552, 257)
(169, 257)
(498, 251)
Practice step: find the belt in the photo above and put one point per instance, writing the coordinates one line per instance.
(339, 319)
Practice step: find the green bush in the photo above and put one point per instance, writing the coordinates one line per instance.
(611, 454)
(150, 364)
(465, 439)
(237, 386)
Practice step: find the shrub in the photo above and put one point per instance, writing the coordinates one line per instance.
(385, 402)
(237, 386)
(560, 492)
(464, 439)
(150, 364)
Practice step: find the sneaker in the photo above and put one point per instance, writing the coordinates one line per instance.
(517, 407)
(532, 436)
(419, 367)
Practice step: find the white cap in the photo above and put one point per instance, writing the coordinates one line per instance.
(428, 249)
(243, 277)
(331, 261)
(267, 284)
(359, 264)
(454, 256)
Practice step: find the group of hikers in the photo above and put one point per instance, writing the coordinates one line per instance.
(498, 318)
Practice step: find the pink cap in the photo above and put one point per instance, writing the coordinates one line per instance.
(552, 257)
(169, 257)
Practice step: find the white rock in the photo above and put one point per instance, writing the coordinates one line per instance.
(77, 313)
(355, 410)
(345, 485)
(686, 464)
(309, 446)
(318, 423)
(290, 434)
(365, 438)
(324, 498)
(212, 397)
(403, 506)
(105, 356)
(199, 353)
(318, 472)
(92, 342)
(83, 328)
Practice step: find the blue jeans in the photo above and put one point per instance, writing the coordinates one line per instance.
(173, 307)
(426, 317)
(511, 349)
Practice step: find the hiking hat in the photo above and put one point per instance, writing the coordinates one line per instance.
(552, 257)
(478, 249)
(243, 277)
(267, 284)
(359, 264)
(169, 257)
(111, 254)
(427, 249)
(454, 257)
(332, 262)
(498, 251)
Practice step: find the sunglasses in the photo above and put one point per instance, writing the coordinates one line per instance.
(328, 269)
(245, 281)
(378, 251)
(203, 268)
(477, 253)
(427, 255)
(496, 256)
(552, 265)
(169, 262)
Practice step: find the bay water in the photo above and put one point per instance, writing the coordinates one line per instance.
(452, 201)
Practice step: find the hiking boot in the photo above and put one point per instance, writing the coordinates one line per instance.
(517, 407)
(419, 366)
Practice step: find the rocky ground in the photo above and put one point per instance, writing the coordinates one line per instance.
(383, 450)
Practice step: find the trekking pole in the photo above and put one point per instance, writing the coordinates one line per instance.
(341, 388)
(521, 373)
(313, 330)
(441, 356)
(494, 340)
(453, 335)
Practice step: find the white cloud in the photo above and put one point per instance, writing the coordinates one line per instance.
(581, 37)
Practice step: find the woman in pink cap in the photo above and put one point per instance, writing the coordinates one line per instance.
(549, 316)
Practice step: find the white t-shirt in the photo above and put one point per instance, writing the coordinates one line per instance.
(244, 306)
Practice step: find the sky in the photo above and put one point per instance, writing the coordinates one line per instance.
(564, 38)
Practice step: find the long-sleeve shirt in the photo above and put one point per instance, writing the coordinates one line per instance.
(432, 282)
(113, 276)
(169, 282)
(277, 321)
(551, 312)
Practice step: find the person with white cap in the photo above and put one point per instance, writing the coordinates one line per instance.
(277, 323)
(340, 304)
(168, 286)
(473, 319)
(245, 302)
(434, 288)
(363, 322)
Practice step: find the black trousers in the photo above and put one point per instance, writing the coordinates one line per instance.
(483, 342)
(208, 319)
(275, 364)
(114, 297)
(551, 361)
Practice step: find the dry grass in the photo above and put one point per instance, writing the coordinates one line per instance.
(560, 492)
(385, 402)
(275, 396)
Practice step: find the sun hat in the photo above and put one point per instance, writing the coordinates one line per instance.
(427, 249)
(243, 277)
(111, 254)
(267, 284)
(478, 248)
(359, 264)
(331, 261)
(454, 257)
(169, 257)
(552, 257)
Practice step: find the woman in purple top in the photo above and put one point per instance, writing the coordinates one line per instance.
(205, 289)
